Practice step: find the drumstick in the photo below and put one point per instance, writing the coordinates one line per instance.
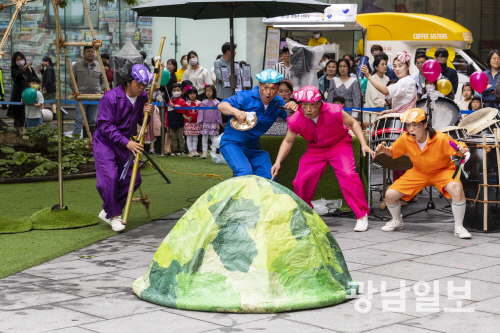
(272, 178)
(485, 188)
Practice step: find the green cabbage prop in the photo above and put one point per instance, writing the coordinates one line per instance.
(247, 245)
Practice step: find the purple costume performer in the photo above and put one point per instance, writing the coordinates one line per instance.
(116, 121)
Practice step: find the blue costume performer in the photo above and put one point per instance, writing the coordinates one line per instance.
(241, 149)
(120, 111)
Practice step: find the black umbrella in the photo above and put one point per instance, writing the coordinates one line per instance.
(214, 9)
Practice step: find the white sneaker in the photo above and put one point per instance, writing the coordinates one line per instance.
(115, 222)
(393, 225)
(102, 216)
(462, 233)
(205, 154)
(362, 224)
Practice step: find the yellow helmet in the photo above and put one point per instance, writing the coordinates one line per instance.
(414, 115)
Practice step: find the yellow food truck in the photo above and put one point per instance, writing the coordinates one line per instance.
(346, 32)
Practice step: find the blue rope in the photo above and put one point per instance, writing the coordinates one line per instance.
(66, 101)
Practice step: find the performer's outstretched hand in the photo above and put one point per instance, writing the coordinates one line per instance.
(365, 149)
(386, 150)
(275, 168)
(135, 147)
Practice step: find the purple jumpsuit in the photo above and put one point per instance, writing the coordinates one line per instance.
(329, 141)
(116, 121)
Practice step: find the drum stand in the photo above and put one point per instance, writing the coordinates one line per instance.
(430, 205)
(370, 164)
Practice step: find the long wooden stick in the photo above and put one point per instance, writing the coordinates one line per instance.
(58, 109)
(89, 97)
(496, 131)
(485, 188)
(19, 5)
(141, 139)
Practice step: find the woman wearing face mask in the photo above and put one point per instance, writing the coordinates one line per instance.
(21, 75)
(184, 66)
(345, 86)
(197, 74)
(324, 81)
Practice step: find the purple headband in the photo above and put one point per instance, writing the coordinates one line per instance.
(141, 74)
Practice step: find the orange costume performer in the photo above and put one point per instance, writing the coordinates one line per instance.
(432, 166)
(430, 153)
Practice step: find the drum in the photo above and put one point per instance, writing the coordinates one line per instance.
(486, 128)
(455, 132)
(388, 128)
(479, 118)
(445, 113)
(474, 213)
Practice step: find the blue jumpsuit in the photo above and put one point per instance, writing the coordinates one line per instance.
(241, 149)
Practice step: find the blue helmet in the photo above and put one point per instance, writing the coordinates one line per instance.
(269, 76)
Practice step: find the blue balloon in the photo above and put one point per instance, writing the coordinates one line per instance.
(165, 77)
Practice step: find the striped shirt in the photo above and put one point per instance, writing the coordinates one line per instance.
(282, 69)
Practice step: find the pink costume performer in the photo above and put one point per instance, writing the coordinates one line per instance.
(328, 142)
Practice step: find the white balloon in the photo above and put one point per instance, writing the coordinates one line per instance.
(47, 115)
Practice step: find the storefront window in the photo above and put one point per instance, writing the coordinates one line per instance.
(34, 33)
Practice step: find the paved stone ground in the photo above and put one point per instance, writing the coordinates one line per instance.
(90, 290)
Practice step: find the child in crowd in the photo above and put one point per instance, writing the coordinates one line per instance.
(34, 110)
(475, 104)
(175, 121)
(338, 100)
(209, 120)
(467, 93)
(184, 84)
(191, 128)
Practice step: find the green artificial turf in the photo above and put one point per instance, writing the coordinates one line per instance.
(12, 226)
(20, 251)
(48, 219)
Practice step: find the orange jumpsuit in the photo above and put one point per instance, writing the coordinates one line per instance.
(432, 166)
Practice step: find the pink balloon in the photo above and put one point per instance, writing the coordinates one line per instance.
(479, 81)
(431, 70)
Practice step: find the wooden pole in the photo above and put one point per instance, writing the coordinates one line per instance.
(485, 188)
(141, 139)
(58, 108)
(19, 5)
(89, 97)
(496, 131)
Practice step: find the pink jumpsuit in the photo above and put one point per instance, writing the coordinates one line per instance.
(328, 142)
